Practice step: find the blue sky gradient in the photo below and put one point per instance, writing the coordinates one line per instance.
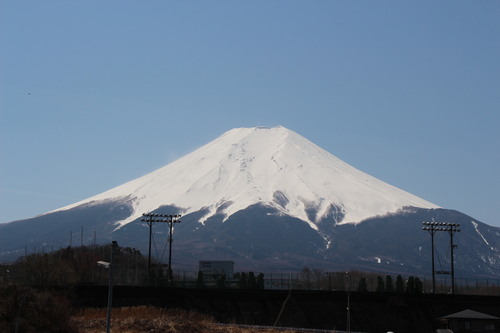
(96, 93)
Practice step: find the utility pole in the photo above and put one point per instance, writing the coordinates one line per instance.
(151, 218)
(148, 218)
(170, 240)
(451, 228)
(429, 226)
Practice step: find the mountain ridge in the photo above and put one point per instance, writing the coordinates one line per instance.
(270, 200)
(274, 165)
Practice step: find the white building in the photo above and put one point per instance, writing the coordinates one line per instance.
(213, 268)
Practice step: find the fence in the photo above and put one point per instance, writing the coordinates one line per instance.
(75, 266)
(339, 281)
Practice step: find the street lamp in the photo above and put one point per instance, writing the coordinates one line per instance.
(348, 281)
(109, 265)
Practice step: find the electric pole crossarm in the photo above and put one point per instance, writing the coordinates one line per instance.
(151, 218)
(451, 228)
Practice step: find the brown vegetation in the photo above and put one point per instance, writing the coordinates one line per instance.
(150, 319)
(77, 265)
(28, 310)
(24, 309)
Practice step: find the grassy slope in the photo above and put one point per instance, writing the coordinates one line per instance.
(151, 319)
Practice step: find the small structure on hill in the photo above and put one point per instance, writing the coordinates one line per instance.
(469, 321)
(215, 268)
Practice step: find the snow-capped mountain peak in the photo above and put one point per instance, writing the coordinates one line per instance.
(273, 166)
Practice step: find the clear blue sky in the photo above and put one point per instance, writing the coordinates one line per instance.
(97, 93)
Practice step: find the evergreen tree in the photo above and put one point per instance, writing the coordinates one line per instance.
(243, 281)
(362, 287)
(306, 275)
(199, 280)
(400, 285)
(252, 281)
(380, 285)
(221, 281)
(418, 288)
(389, 287)
(410, 285)
(260, 281)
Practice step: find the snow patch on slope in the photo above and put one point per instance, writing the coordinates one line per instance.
(476, 225)
(274, 166)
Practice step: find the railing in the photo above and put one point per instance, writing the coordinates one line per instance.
(134, 275)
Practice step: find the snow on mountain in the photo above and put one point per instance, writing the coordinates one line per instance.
(274, 166)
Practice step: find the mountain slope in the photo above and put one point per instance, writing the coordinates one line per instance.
(270, 200)
(274, 166)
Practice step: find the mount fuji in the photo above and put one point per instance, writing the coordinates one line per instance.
(266, 198)
(272, 166)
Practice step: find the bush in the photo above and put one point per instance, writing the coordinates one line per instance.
(389, 287)
(400, 285)
(362, 287)
(29, 310)
(380, 285)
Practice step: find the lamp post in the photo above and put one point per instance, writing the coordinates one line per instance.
(451, 228)
(109, 265)
(348, 281)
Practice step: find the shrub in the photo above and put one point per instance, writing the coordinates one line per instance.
(362, 287)
(389, 287)
(380, 285)
(400, 285)
(29, 310)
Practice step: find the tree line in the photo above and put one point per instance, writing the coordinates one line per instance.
(312, 278)
(413, 285)
(240, 280)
